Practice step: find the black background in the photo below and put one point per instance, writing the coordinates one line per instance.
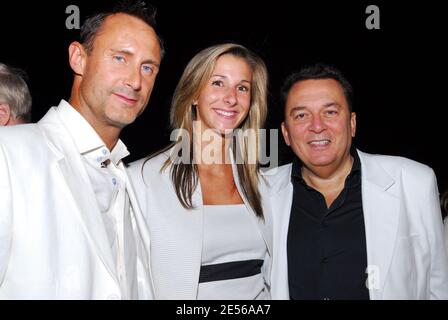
(398, 72)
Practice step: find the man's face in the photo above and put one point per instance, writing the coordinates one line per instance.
(119, 73)
(318, 125)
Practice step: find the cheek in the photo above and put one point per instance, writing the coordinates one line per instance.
(245, 103)
(206, 99)
(297, 135)
(149, 85)
(339, 128)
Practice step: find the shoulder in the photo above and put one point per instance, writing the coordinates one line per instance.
(22, 140)
(19, 133)
(277, 177)
(148, 168)
(396, 166)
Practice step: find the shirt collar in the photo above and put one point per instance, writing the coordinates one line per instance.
(85, 137)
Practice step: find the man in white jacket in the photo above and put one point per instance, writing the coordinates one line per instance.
(349, 225)
(70, 227)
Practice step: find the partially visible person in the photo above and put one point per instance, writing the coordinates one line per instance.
(444, 203)
(15, 97)
(347, 224)
(70, 226)
(209, 236)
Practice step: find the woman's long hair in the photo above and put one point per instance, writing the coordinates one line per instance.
(194, 78)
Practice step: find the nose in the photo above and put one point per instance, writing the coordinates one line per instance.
(230, 97)
(134, 79)
(317, 125)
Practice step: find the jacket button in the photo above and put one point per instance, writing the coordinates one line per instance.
(113, 297)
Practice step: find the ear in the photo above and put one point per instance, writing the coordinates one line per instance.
(353, 124)
(77, 57)
(285, 134)
(5, 114)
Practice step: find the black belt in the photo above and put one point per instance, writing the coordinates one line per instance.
(230, 270)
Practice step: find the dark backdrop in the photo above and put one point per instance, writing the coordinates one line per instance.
(397, 71)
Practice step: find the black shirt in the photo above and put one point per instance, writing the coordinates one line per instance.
(327, 257)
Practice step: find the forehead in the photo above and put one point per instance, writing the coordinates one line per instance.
(122, 30)
(230, 64)
(315, 92)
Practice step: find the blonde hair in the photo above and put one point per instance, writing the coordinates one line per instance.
(194, 78)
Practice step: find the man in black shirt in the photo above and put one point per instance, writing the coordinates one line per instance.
(349, 225)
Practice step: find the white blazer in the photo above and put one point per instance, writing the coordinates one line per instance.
(176, 233)
(53, 243)
(404, 232)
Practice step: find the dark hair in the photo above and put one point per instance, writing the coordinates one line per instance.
(444, 203)
(316, 72)
(137, 9)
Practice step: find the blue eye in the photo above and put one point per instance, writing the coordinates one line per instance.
(119, 58)
(147, 69)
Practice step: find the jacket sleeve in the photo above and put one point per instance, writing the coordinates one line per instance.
(438, 285)
(6, 220)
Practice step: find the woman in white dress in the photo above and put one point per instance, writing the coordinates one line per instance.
(209, 236)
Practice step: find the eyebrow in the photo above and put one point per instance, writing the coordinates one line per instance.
(295, 109)
(221, 76)
(327, 105)
(130, 53)
(332, 104)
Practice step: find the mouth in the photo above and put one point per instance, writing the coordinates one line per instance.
(127, 100)
(226, 114)
(319, 143)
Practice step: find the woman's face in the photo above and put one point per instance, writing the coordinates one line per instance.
(224, 102)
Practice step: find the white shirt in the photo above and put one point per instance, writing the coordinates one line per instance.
(108, 178)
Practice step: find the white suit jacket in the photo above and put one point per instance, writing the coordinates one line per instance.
(53, 243)
(404, 232)
(176, 233)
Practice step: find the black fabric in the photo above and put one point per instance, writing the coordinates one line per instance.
(230, 270)
(327, 256)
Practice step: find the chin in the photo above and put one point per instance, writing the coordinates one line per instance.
(321, 161)
(122, 121)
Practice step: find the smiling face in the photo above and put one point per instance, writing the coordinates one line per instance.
(318, 124)
(114, 81)
(224, 102)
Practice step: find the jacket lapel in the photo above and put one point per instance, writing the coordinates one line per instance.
(140, 229)
(280, 203)
(79, 187)
(381, 212)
